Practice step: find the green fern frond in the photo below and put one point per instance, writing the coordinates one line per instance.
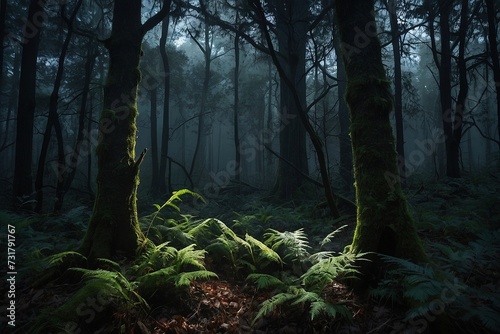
(190, 256)
(330, 236)
(329, 269)
(176, 196)
(304, 296)
(184, 279)
(265, 281)
(108, 264)
(408, 267)
(266, 252)
(320, 306)
(295, 244)
(488, 318)
(70, 256)
(270, 305)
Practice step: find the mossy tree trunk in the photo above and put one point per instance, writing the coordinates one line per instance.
(114, 227)
(384, 224)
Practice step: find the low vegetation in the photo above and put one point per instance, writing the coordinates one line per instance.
(244, 272)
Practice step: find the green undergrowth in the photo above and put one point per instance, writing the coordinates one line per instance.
(459, 222)
(181, 249)
(284, 251)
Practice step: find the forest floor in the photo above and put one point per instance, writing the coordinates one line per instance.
(458, 221)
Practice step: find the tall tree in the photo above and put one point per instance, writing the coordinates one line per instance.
(398, 86)
(495, 58)
(165, 134)
(3, 16)
(236, 101)
(344, 139)
(291, 32)
(198, 168)
(384, 224)
(114, 227)
(23, 179)
(53, 121)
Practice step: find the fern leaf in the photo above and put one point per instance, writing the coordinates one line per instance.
(267, 252)
(330, 236)
(270, 305)
(184, 279)
(265, 281)
(306, 297)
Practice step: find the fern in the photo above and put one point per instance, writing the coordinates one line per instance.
(265, 281)
(294, 245)
(116, 283)
(185, 278)
(329, 269)
(424, 287)
(176, 196)
(330, 236)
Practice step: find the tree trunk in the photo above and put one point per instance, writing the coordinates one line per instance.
(344, 139)
(154, 141)
(384, 224)
(60, 166)
(114, 227)
(165, 132)
(23, 180)
(398, 89)
(291, 20)
(236, 134)
(198, 168)
(448, 115)
(463, 90)
(3, 16)
(12, 99)
(297, 96)
(495, 58)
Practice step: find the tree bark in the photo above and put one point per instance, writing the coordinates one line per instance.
(384, 224)
(495, 58)
(344, 122)
(300, 111)
(23, 180)
(291, 26)
(236, 133)
(449, 117)
(3, 16)
(114, 227)
(165, 132)
(154, 141)
(398, 89)
(457, 125)
(198, 168)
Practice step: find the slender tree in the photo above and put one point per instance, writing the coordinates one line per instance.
(494, 55)
(236, 101)
(291, 32)
(114, 227)
(23, 179)
(53, 121)
(384, 224)
(197, 170)
(398, 86)
(154, 139)
(165, 129)
(344, 139)
(3, 16)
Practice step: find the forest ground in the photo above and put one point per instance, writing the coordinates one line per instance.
(458, 221)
